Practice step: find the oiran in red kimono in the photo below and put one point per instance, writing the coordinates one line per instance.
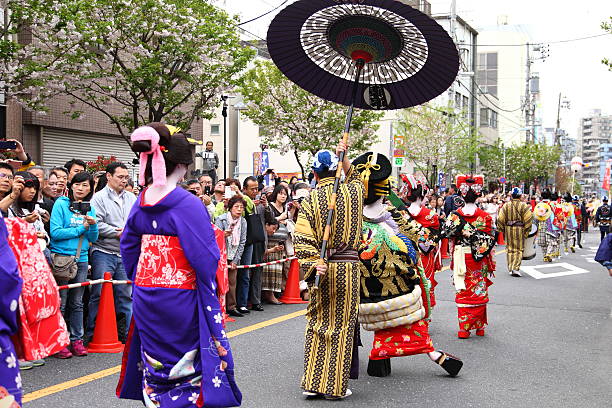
(472, 232)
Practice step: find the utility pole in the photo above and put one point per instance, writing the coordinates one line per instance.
(558, 127)
(528, 135)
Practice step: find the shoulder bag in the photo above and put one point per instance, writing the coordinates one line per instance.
(65, 266)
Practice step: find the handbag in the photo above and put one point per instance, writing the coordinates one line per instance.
(65, 266)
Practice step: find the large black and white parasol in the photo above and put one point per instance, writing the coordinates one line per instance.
(368, 54)
(408, 57)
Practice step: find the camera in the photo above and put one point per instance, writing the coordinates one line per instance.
(8, 145)
(80, 207)
(195, 193)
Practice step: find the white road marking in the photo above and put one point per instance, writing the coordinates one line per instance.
(569, 270)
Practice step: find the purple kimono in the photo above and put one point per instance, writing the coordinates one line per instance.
(10, 289)
(177, 354)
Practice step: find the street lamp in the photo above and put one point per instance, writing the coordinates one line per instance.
(224, 114)
(240, 106)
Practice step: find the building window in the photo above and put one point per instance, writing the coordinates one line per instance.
(484, 117)
(493, 119)
(457, 100)
(486, 75)
(214, 129)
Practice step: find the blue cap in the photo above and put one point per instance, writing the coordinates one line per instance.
(516, 191)
(325, 160)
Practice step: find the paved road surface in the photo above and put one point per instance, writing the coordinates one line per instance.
(549, 344)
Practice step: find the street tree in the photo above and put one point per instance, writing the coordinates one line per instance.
(527, 163)
(294, 120)
(134, 61)
(437, 136)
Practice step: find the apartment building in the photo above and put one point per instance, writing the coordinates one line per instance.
(594, 137)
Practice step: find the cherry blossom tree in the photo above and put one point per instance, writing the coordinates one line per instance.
(293, 120)
(135, 61)
(437, 136)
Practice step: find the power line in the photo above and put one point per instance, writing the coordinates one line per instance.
(503, 116)
(264, 14)
(539, 42)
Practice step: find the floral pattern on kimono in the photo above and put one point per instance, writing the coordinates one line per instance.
(42, 331)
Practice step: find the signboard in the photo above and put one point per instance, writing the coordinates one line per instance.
(398, 144)
(398, 161)
(261, 163)
(502, 180)
(441, 180)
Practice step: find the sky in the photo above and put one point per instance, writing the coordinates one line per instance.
(573, 69)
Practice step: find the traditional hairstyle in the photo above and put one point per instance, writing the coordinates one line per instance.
(161, 147)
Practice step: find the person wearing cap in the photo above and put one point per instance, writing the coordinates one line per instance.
(471, 230)
(571, 225)
(514, 221)
(603, 217)
(178, 354)
(395, 292)
(331, 318)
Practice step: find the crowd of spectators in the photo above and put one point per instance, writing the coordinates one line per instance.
(81, 214)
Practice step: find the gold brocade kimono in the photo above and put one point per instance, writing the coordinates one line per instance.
(514, 221)
(332, 312)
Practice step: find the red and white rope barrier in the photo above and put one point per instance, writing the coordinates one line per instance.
(128, 282)
(266, 263)
(94, 282)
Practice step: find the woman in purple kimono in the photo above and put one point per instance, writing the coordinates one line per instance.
(178, 354)
(10, 288)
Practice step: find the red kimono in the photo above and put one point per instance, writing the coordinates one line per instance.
(472, 264)
(222, 278)
(42, 330)
(430, 256)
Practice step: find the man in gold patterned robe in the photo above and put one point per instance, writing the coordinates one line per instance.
(332, 313)
(514, 221)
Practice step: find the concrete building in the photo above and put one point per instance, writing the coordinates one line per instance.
(501, 74)
(594, 133)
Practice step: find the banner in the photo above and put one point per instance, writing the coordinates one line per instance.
(606, 180)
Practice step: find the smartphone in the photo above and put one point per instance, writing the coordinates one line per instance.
(208, 190)
(229, 193)
(8, 145)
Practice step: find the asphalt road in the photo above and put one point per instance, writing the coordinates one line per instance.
(549, 344)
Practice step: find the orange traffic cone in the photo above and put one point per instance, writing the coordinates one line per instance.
(444, 248)
(105, 338)
(291, 295)
(500, 238)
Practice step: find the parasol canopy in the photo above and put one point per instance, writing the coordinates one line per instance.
(409, 58)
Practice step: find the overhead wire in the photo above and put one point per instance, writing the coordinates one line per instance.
(264, 14)
(540, 42)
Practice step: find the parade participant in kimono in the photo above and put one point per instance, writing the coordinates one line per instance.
(177, 354)
(603, 217)
(571, 226)
(10, 290)
(331, 318)
(515, 221)
(42, 329)
(413, 193)
(579, 220)
(559, 221)
(473, 263)
(548, 232)
(394, 301)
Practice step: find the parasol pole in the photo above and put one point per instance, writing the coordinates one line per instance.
(360, 63)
